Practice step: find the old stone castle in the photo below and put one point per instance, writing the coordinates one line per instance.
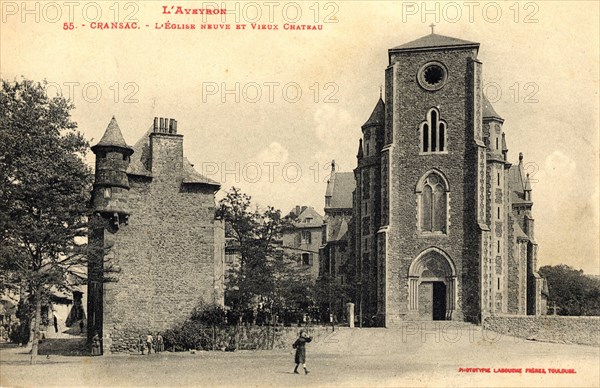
(441, 225)
(153, 236)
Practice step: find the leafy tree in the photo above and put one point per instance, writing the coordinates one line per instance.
(264, 272)
(331, 295)
(44, 188)
(571, 291)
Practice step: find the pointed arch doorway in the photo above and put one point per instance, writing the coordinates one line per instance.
(432, 285)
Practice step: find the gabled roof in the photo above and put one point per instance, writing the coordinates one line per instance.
(378, 115)
(113, 137)
(308, 218)
(435, 42)
(488, 110)
(140, 163)
(340, 187)
(140, 160)
(190, 175)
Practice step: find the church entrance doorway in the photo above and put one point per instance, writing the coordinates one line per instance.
(432, 286)
(439, 301)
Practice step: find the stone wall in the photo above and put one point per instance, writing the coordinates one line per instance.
(550, 328)
(165, 253)
(408, 108)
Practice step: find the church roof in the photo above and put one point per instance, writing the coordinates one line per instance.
(488, 110)
(517, 182)
(112, 137)
(435, 41)
(340, 187)
(341, 232)
(378, 115)
(337, 229)
(519, 234)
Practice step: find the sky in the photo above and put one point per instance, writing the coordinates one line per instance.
(268, 109)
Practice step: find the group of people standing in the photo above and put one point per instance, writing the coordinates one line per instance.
(151, 344)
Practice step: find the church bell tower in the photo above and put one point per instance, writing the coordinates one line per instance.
(433, 181)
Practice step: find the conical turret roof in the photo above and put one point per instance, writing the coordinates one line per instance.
(112, 137)
(378, 115)
(488, 110)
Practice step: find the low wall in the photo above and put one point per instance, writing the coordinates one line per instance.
(225, 338)
(547, 328)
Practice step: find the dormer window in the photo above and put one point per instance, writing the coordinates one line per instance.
(433, 133)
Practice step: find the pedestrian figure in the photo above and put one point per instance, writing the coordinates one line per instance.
(142, 344)
(96, 351)
(81, 326)
(149, 340)
(159, 343)
(299, 345)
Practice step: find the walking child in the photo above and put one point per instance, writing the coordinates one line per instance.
(299, 345)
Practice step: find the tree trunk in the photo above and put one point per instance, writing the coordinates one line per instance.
(36, 324)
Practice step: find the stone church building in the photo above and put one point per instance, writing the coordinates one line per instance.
(156, 250)
(443, 225)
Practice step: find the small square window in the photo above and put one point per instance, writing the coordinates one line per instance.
(306, 259)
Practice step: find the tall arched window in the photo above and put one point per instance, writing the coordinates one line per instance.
(433, 133)
(432, 192)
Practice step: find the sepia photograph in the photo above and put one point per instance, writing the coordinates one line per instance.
(299, 193)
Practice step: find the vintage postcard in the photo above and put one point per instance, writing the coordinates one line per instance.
(290, 193)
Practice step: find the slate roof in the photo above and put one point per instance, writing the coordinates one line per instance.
(190, 175)
(378, 115)
(517, 183)
(435, 41)
(112, 137)
(340, 234)
(489, 111)
(519, 234)
(316, 220)
(140, 160)
(140, 163)
(340, 187)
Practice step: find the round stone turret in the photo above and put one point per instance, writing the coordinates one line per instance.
(111, 185)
